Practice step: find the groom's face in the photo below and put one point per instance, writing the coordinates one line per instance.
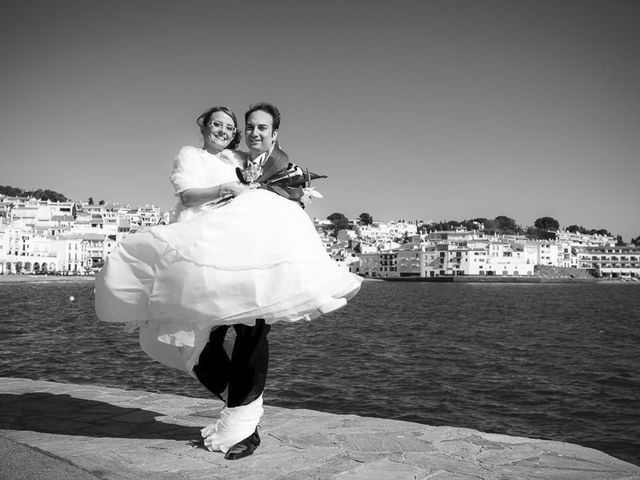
(259, 132)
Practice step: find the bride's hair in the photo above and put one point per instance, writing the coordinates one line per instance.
(203, 120)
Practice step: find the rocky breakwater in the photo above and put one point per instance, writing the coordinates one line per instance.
(120, 434)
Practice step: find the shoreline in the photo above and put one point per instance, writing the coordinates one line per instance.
(45, 278)
(496, 279)
(505, 279)
(457, 279)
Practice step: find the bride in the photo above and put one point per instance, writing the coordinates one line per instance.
(238, 256)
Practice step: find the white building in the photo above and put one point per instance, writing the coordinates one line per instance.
(23, 252)
(38, 236)
(610, 261)
(379, 264)
(447, 259)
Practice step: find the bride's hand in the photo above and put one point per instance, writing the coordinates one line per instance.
(236, 188)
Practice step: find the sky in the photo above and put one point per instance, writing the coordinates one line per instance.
(416, 110)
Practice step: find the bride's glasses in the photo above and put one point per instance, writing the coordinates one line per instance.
(220, 125)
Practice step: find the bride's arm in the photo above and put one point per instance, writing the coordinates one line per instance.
(187, 179)
(193, 197)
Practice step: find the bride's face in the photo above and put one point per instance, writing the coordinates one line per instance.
(219, 132)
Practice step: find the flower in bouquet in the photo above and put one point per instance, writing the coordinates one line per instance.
(251, 172)
(308, 193)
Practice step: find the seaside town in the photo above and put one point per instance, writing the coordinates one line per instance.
(39, 237)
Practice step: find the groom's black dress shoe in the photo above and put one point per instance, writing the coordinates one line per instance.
(244, 448)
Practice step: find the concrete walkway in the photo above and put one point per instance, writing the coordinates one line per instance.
(61, 431)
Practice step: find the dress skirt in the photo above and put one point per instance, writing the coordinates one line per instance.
(259, 256)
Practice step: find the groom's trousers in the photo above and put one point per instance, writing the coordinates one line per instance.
(245, 373)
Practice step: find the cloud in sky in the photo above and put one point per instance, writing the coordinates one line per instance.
(436, 110)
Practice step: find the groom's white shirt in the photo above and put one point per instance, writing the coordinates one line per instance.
(260, 159)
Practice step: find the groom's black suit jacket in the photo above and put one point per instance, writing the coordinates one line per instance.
(277, 161)
(281, 176)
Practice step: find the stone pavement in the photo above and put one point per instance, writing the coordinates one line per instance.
(20, 462)
(88, 432)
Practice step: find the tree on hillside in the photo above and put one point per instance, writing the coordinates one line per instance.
(339, 221)
(547, 223)
(586, 231)
(444, 226)
(39, 194)
(53, 196)
(489, 225)
(366, 219)
(11, 191)
(541, 233)
(90, 201)
(636, 241)
(474, 224)
(620, 242)
(506, 225)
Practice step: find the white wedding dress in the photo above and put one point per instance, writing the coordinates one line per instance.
(256, 256)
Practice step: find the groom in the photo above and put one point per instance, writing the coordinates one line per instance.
(277, 173)
(246, 373)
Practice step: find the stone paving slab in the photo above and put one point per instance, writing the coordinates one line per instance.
(121, 434)
(19, 462)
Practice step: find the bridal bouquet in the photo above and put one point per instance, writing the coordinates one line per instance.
(292, 183)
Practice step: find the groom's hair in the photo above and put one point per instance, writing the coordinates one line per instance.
(265, 107)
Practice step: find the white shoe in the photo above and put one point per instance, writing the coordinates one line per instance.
(234, 425)
(208, 430)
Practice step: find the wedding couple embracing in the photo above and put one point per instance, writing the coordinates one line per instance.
(242, 253)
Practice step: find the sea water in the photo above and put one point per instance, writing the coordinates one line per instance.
(549, 361)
